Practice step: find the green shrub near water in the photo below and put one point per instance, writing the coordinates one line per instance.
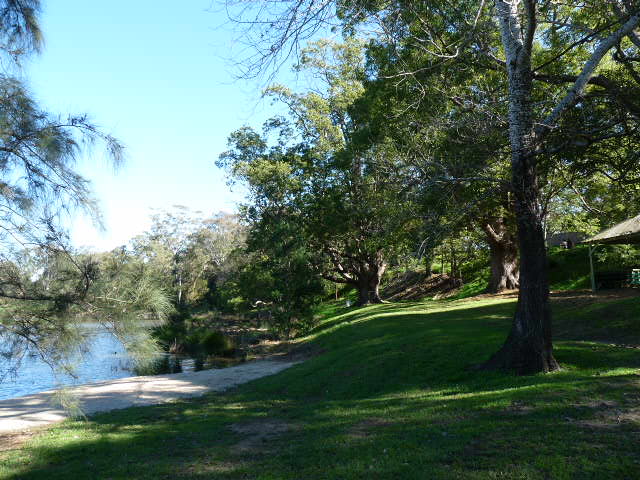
(159, 366)
(187, 336)
(215, 343)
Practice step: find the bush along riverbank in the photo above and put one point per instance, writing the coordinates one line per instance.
(198, 341)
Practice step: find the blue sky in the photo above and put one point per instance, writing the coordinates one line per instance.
(156, 75)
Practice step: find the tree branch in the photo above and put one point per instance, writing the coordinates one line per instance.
(588, 70)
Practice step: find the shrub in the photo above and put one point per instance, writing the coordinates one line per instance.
(215, 343)
(160, 365)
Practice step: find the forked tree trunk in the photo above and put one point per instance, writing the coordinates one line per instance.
(528, 348)
(503, 247)
(364, 273)
(505, 271)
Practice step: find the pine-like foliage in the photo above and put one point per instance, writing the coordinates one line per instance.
(48, 291)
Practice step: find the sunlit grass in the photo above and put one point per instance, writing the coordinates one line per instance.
(391, 396)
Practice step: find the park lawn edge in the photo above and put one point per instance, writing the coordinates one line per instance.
(392, 395)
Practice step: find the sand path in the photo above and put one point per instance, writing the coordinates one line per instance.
(39, 409)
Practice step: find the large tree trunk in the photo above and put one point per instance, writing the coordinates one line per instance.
(363, 293)
(369, 279)
(503, 249)
(362, 272)
(528, 347)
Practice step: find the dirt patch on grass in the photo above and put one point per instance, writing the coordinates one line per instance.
(368, 427)
(207, 467)
(415, 286)
(282, 350)
(631, 415)
(600, 404)
(259, 434)
(608, 414)
(503, 294)
(583, 298)
(518, 408)
(15, 440)
(303, 352)
(478, 448)
(572, 298)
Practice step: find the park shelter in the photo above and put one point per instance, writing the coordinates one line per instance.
(627, 232)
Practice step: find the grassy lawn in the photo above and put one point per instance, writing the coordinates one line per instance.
(390, 396)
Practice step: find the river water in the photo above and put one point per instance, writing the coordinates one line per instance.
(106, 359)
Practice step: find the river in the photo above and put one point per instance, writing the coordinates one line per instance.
(106, 359)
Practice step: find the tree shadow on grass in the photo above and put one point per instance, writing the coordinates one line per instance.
(396, 435)
(371, 312)
(348, 315)
(614, 321)
(391, 398)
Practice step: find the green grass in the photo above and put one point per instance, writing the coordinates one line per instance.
(569, 269)
(474, 287)
(391, 396)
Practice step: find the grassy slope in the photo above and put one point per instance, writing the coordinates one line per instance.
(568, 270)
(390, 397)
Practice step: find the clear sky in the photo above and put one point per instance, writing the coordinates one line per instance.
(155, 74)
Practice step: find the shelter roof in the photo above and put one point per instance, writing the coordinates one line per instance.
(624, 232)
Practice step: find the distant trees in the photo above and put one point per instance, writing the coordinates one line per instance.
(189, 252)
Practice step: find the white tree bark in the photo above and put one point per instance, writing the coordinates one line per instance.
(528, 349)
(589, 69)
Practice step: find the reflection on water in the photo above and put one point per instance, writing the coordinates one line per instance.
(105, 360)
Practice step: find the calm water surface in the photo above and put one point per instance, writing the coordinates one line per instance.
(106, 360)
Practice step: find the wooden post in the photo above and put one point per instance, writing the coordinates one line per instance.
(593, 275)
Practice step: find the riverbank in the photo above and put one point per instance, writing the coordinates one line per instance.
(389, 394)
(40, 409)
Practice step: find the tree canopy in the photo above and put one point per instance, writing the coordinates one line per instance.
(531, 99)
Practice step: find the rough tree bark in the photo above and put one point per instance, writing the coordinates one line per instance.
(503, 246)
(368, 280)
(363, 272)
(528, 348)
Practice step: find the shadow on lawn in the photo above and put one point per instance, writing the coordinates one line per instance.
(350, 315)
(345, 315)
(391, 398)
